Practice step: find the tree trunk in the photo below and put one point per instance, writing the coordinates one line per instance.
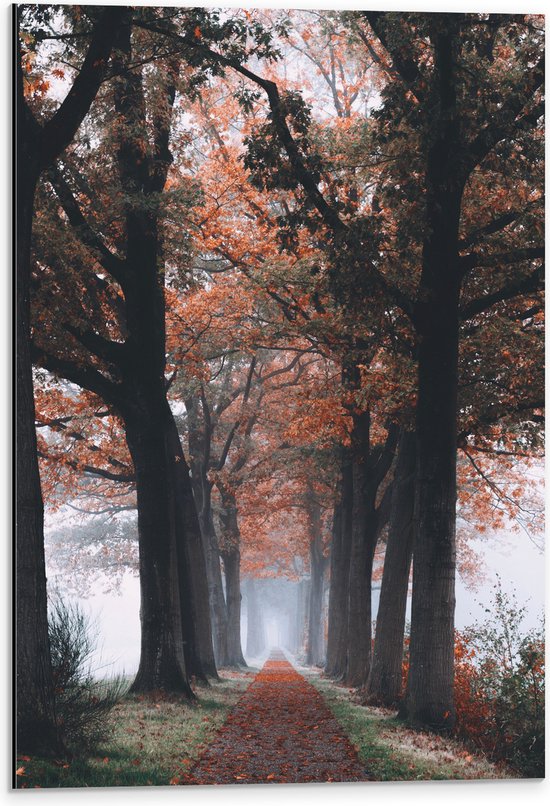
(302, 616)
(231, 564)
(293, 605)
(314, 654)
(231, 558)
(339, 577)
(385, 680)
(199, 452)
(38, 146)
(218, 606)
(36, 723)
(429, 699)
(363, 541)
(162, 662)
(255, 636)
(192, 566)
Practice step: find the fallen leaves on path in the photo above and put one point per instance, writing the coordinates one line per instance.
(280, 731)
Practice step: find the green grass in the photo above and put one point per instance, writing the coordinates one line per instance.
(152, 741)
(391, 751)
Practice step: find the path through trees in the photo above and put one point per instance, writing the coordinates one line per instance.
(281, 731)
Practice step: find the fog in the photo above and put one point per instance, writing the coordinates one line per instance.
(511, 557)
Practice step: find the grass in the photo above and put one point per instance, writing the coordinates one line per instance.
(393, 752)
(152, 740)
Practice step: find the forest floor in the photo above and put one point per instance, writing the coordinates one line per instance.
(280, 724)
(152, 740)
(392, 751)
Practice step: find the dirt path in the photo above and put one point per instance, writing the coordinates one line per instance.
(280, 731)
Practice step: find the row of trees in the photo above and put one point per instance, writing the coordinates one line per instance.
(277, 329)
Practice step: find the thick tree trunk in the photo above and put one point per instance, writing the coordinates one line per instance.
(162, 661)
(176, 606)
(231, 557)
(255, 635)
(431, 674)
(385, 681)
(337, 656)
(429, 699)
(36, 723)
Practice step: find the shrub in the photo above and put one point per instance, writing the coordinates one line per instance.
(82, 702)
(499, 687)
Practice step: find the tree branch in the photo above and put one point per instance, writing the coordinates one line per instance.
(401, 57)
(476, 260)
(526, 285)
(58, 132)
(111, 263)
(86, 377)
(507, 117)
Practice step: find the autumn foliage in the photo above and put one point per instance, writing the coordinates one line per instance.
(499, 688)
(280, 245)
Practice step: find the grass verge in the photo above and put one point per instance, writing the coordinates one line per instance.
(393, 752)
(153, 741)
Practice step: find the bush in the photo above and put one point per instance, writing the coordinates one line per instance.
(82, 702)
(499, 687)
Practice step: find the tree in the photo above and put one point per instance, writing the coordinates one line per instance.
(39, 144)
(129, 378)
(451, 144)
(456, 142)
(384, 683)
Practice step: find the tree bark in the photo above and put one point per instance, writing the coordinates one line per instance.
(385, 680)
(302, 616)
(218, 606)
(199, 450)
(231, 558)
(363, 541)
(314, 654)
(162, 661)
(337, 644)
(36, 723)
(255, 635)
(429, 699)
(194, 594)
(231, 564)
